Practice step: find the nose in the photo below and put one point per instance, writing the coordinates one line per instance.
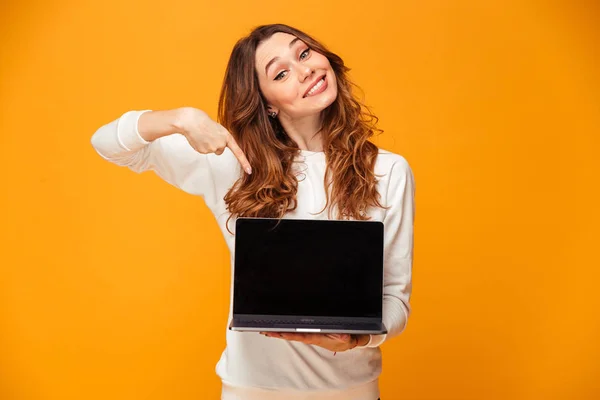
(305, 72)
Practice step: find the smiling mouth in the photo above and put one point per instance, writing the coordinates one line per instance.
(316, 88)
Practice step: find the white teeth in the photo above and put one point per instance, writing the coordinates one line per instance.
(317, 86)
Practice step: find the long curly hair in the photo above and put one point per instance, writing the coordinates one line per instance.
(347, 124)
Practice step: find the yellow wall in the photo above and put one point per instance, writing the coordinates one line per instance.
(115, 285)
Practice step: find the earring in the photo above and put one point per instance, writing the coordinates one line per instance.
(272, 114)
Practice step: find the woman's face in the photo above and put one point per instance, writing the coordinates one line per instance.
(295, 80)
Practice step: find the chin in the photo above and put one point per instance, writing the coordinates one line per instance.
(318, 109)
(327, 101)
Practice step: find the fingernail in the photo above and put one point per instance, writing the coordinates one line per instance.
(249, 171)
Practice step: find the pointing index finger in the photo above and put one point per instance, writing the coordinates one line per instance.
(239, 154)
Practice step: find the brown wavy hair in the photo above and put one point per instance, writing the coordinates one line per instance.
(347, 124)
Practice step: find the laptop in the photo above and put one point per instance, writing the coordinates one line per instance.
(300, 275)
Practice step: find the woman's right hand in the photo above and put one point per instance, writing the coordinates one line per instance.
(207, 136)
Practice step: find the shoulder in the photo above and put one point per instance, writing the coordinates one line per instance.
(396, 181)
(198, 173)
(394, 174)
(388, 161)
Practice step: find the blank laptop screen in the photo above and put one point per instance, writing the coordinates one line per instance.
(327, 268)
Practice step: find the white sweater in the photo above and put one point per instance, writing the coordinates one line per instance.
(253, 366)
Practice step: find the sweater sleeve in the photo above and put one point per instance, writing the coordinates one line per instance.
(398, 251)
(171, 157)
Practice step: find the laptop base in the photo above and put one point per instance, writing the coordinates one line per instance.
(309, 325)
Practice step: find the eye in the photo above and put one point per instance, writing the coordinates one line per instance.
(305, 52)
(279, 76)
(303, 56)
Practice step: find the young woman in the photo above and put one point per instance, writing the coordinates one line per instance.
(292, 142)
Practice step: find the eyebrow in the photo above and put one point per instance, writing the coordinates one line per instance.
(277, 58)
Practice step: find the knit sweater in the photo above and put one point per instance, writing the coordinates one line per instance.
(253, 366)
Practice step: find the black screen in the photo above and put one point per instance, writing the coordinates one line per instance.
(308, 267)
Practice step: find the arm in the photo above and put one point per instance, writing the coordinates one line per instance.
(156, 124)
(148, 140)
(398, 252)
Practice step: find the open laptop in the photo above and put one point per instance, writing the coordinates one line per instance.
(299, 275)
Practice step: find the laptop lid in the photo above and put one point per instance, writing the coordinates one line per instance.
(296, 267)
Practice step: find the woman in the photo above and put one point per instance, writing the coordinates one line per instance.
(288, 121)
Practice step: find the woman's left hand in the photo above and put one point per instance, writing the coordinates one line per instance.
(335, 342)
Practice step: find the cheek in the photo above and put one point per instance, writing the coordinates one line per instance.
(284, 94)
(323, 61)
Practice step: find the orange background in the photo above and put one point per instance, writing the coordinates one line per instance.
(115, 285)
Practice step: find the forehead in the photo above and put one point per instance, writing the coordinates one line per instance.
(274, 46)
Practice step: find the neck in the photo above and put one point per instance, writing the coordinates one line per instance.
(304, 131)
